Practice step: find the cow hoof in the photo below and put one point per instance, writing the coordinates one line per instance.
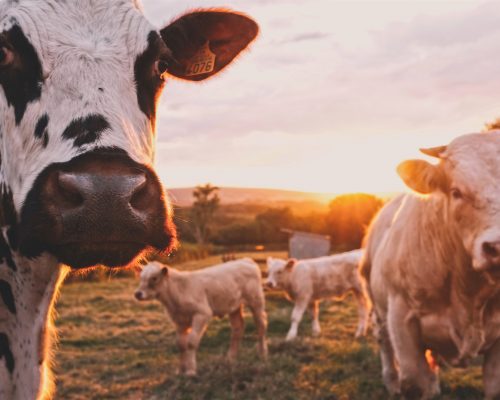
(361, 331)
(316, 333)
(411, 390)
(391, 383)
(460, 362)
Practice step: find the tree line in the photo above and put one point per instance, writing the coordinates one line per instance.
(207, 221)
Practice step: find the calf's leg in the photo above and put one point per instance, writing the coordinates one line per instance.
(193, 338)
(363, 313)
(260, 319)
(237, 328)
(316, 328)
(182, 335)
(297, 314)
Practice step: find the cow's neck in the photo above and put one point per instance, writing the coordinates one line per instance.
(288, 285)
(169, 293)
(469, 292)
(28, 289)
(437, 252)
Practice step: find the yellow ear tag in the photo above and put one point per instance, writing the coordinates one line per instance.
(202, 63)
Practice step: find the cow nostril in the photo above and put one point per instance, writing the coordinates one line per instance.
(138, 295)
(68, 189)
(490, 249)
(141, 198)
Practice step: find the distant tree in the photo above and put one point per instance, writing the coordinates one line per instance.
(348, 217)
(271, 221)
(238, 233)
(491, 126)
(202, 212)
(182, 220)
(314, 222)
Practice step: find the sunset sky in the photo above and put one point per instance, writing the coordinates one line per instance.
(333, 95)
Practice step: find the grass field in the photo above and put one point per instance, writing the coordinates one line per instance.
(113, 347)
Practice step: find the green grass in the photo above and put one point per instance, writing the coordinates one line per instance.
(113, 347)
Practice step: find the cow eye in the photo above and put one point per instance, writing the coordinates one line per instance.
(161, 67)
(456, 193)
(6, 57)
(152, 282)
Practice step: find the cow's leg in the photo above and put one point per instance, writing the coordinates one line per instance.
(417, 380)
(260, 319)
(491, 372)
(389, 371)
(316, 328)
(363, 313)
(297, 314)
(193, 339)
(237, 329)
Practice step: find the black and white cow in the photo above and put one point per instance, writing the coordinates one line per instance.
(79, 81)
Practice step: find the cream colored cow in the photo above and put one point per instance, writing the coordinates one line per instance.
(432, 268)
(193, 298)
(306, 282)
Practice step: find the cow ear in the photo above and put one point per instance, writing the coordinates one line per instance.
(290, 264)
(164, 271)
(205, 41)
(421, 176)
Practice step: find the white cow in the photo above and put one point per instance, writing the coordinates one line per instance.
(306, 282)
(193, 298)
(432, 267)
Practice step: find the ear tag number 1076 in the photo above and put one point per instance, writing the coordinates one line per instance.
(202, 63)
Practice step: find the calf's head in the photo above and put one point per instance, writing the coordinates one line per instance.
(79, 82)
(278, 272)
(467, 181)
(152, 277)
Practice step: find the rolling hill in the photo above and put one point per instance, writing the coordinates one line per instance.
(183, 197)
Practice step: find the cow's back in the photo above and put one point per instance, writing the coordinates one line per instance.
(329, 276)
(228, 285)
(376, 233)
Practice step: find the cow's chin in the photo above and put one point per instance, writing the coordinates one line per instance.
(84, 255)
(491, 271)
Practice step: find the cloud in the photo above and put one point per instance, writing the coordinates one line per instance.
(337, 73)
(303, 37)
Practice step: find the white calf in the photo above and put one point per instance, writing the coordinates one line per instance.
(306, 282)
(193, 298)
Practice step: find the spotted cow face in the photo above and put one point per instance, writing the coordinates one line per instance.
(79, 82)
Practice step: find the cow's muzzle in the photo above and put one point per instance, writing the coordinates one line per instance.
(99, 208)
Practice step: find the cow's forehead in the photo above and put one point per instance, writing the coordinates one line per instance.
(150, 270)
(276, 264)
(475, 159)
(98, 26)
